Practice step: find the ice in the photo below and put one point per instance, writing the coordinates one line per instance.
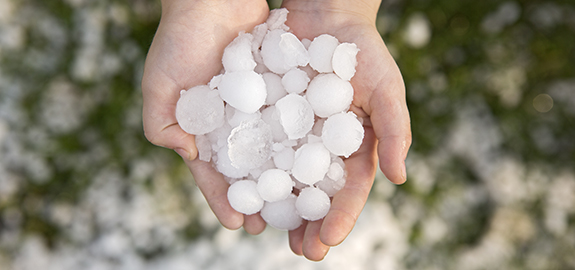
(244, 197)
(329, 186)
(282, 51)
(295, 81)
(271, 52)
(224, 165)
(244, 90)
(336, 169)
(277, 18)
(344, 60)
(329, 94)
(275, 185)
(258, 33)
(257, 172)
(250, 144)
(204, 147)
(312, 203)
(199, 110)
(294, 52)
(274, 86)
(282, 215)
(321, 52)
(272, 117)
(296, 115)
(236, 117)
(311, 163)
(215, 81)
(238, 54)
(219, 137)
(342, 134)
(284, 158)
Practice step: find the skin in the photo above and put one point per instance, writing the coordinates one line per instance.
(379, 98)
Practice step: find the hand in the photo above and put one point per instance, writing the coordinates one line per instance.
(187, 51)
(379, 97)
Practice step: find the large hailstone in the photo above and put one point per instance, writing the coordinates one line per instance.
(342, 134)
(199, 110)
(282, 215)
(244, 197)
(321, 53)
(296, 115)
(250, 144)
(244, 90)
(344, 60)
(274, 185)
(311, 163)
(329, 94)
(312, 203)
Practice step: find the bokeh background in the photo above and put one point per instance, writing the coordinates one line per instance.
(491, 180)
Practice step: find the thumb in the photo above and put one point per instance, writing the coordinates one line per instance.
(159, 118)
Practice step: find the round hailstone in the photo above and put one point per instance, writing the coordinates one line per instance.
(282, 215)
(321, 53)
(329, 94)
(296, 115)
(250, 144)
(238, 54)
(344, 60)
(275, 185)
(295, 81)
(342, 134)
(311, 163)
(244, 197)
(244, 90)
(312, 203)
(199, 110)
(274, 87)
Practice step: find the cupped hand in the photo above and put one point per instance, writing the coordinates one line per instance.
(187, 51)
(379, 98)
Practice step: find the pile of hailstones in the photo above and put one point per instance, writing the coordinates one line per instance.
(275, 121)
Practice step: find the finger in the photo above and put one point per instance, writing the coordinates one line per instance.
(296, 238)
(254, 224)
(215, 189)
(348, 203)
(312, 248)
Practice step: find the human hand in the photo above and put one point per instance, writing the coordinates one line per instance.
(379, 98)
(187, 51)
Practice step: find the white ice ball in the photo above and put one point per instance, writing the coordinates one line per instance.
(282, 215)
(344, 60)
(275, 185)
(296, 115)
(244, 197)
(295, 81)
(274, 86)
(312, 203)
(311, 163)
(244, 90)
(250, 144)
(199, 110)
(342, 134)
(321, 52)
(329, 94)
(238, 54)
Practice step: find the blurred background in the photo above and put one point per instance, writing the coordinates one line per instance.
(491, 179)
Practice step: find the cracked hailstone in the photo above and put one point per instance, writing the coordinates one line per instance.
(296, 115)
(344, 60)
(199, 110)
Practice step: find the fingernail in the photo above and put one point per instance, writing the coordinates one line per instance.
(183, 153)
